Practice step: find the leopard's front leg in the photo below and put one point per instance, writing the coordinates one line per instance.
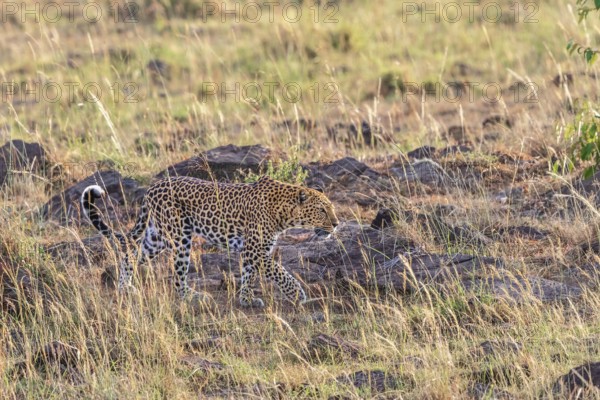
(289, 286)
(253, 257)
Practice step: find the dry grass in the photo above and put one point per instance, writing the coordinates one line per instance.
(138, 346)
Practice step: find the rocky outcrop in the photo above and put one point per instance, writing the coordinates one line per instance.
(121, 192)
(17, 157)
(224, 163)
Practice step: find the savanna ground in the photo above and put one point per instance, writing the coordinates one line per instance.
(157, 107)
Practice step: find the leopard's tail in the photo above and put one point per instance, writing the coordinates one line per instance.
(89, 197)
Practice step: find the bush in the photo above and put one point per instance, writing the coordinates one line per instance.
(286, 171)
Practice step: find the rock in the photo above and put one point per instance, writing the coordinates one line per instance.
(377, 381)
(482, 391)
(87, 252)
(302, 123)
(497, 120)
(224, 163)
(452, 150)
(65, 207)
(521, 290)
(318, 317)
(385, 218)
(57, 354)
(357, 134)
(349, 181)
(570, 193)
(524, 231)
(461, 69)
(208, 344)
(158, 69)
(326, 347)
(422, 152)
(494, 348)
(416, 362)
(582, 382)
(17, 156)
(425, 171)
(563, 79)
(199, 363)
(510, 195)
(59, 359)
(17, 288)
(502, 375)
(459, 133)
(340, 171)
(376, 260)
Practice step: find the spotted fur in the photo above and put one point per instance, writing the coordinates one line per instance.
(242, 217)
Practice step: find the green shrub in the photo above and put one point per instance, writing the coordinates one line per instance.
(585, 141)
(286, 171)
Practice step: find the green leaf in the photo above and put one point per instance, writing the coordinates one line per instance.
(570, 45)
(597, 4)
(588, 172)
(586, 151)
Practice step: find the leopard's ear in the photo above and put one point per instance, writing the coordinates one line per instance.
(302, 196)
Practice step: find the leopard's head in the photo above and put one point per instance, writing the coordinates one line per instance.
(313, 209)
(297, 206)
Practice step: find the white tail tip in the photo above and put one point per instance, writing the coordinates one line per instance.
(95, 189)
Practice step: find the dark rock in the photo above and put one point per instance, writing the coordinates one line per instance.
(158, 69)
(365, 256)
(318, 317)
(302, 123)
(126, 56)
(348, 181)
(57, 354)
(521, 290)
(17, 156)
(502, 375)
(365, 131)
(208, 344)
(65, 207)
(87, 252)
(377, 381)
(524, 231)
(497, 347)
(326, 347)
(357, 134)
(497, 120)
(416, 362)
(17, 288)
(344, 167)
(384, 219)
(425, 171)
(563, 79)
(461, 69)
(452, 150)
(422, 152)
(481, 391)
(224, 163)
(458, 133)
(582, 382)
(199, 363)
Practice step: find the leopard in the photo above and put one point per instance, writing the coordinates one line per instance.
(241, 217)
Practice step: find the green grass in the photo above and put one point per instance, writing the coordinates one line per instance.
(133, 347)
